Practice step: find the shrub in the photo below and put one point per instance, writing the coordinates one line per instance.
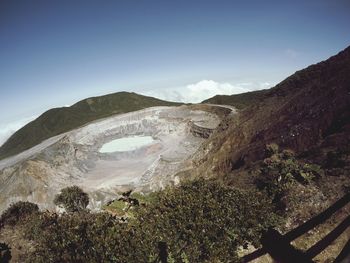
(76, 237)
(200, 221)
(205, 221)
(17, 212)
(72, 198)
(272, 148)
(281, 170)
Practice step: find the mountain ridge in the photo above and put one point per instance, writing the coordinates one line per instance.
(59, 120)
(239, 101)
(303, 111)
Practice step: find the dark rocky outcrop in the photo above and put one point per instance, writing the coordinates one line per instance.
(200, 131)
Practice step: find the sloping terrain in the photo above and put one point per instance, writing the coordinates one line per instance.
(309, 112)
(239, 101)
(59, 120)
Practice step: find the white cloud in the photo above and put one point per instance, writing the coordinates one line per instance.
(265, 85)
(204, 89)
(292, 53)
(191, 93)
(6, 130)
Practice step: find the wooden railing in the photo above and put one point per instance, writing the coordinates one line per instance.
(280, 249)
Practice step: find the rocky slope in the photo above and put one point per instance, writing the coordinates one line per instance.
(309, 112)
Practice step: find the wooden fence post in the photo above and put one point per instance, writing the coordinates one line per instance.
(163, 252)
(280, 249)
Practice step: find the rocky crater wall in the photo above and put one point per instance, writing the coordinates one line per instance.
(73, 158)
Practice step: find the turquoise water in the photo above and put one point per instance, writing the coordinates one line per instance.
(126, 144)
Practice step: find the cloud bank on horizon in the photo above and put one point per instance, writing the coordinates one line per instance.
(191, 93)
(6, 130)
(204, 89)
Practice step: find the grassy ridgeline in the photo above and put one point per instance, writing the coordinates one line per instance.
(59, 120)
(239, 101)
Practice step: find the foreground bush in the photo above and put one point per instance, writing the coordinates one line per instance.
(17, 212)
(73, 199)
(201, 221)
(76, 237)
(205, 220)
(281, 170)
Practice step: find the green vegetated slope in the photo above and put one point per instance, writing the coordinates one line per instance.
(60, 120)
(239, 101)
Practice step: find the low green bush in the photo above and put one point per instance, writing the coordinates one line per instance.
(17, 212)
(282, 169)
(72, 198)
(200, 221)
(205, 220)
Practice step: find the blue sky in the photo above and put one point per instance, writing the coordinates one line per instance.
(54, 53)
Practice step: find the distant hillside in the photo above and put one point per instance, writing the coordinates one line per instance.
(59, 120)
(239, 101)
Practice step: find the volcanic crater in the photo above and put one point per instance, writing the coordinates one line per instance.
(142, 150)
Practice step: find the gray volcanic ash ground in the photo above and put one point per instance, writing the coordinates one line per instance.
(166, 145)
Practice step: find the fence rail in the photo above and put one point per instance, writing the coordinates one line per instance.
(278, 246)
